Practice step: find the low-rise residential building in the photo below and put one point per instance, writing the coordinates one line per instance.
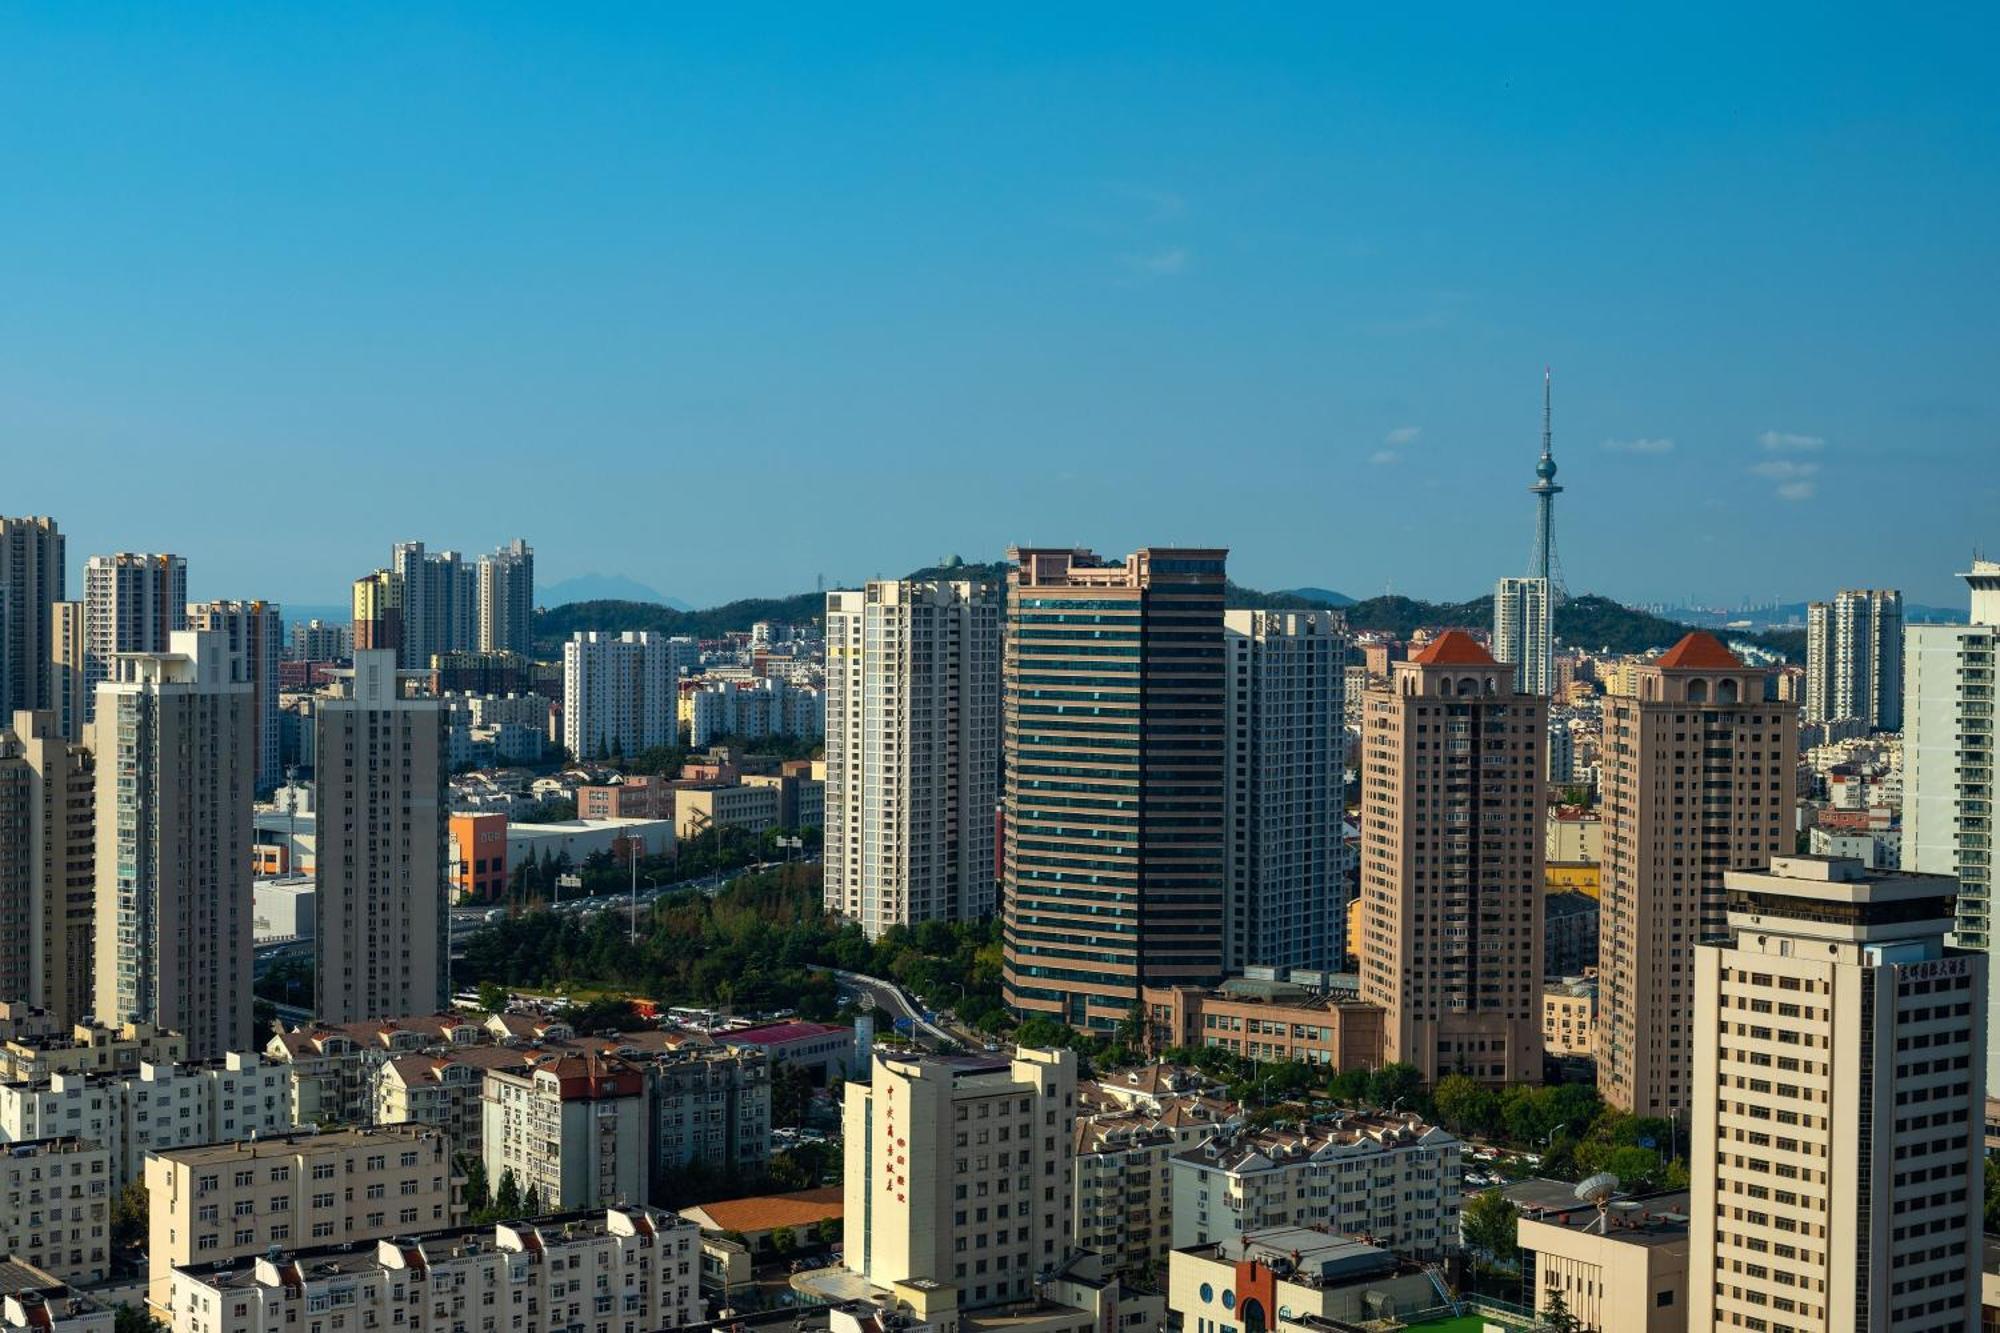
(1569, 1017)
(635, 796)
(1622, 1268)
(89, 1048)
(34, 1298)
(1124, 1189)
(1293, 1280)
(614, 1270)
(225, 1201)
(571, 1129)
(334, 1069)
(1391, 1179)
(711, 1110)
(432, 1090)
(151, 1109)
(55, 1206)
(1260, 1017)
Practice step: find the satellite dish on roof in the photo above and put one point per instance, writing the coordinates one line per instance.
(1598, 1190)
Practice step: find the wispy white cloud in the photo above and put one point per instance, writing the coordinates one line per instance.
(1784, 442)
(1648, 445)
(1385, 456)
(1401, 436)
(1159, 205)
(1796, 480)
(1168, 262)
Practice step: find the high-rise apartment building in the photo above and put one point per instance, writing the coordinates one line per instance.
(1948, 762)
(1854, 658)
(507, 600)
(1700, 778)
(1451, 863)
(255, 633)
(572, 1128)
(1287, 866)
(69, 700)
(440, 603)
(912, 752)
(47, 883)
(620, 692)
(31, 581)
(131, 604)
(1838, 1161)
(379, 906)
(316, 640)
(378, 611)
(175, 769)
(1524, 632)
(1114, 741)
(961, 1172)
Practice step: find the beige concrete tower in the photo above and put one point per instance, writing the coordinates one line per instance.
(380, 926)
(132, 603)
(174, 778)
(253, 630)
(1838, 1172)
(1699, 778)
(47, 887)
(69, 700)
(912, 750)
(1451, 863)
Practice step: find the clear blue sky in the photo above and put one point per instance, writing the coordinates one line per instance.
(724, 301)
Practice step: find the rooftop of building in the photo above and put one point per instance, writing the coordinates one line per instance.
(1272, 1145)
(796, 1030)
(1647, 1219)
(305, 1140)
(1454, 647)
(765, 1212)
(1700, 651)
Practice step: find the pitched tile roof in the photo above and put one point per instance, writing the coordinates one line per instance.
(1454, 647)
(1700, 650)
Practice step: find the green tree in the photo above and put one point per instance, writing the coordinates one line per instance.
(1490, 1223)
(1556, 1315)
(531, 1206)
(1465, 1106)
(492, 997)
(1397, 1083)
(826, 1231)
(507, 1199)
(133, 1319)
(128, 1215)
(1992, 1197)
(791, 1096)
(783, 1241)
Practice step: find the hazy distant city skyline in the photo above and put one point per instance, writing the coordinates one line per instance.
(287, 288)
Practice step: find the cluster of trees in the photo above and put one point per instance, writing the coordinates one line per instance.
(484, 1204)
(534, 883)
(755, 944)
(1569, 1124)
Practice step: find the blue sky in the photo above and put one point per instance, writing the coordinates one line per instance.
(724, 301)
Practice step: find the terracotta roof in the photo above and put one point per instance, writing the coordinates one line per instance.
(769, 1211)
(1700, 650)
(1454, 647)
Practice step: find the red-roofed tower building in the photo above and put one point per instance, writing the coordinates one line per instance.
(1451, 863)
(1700, 776)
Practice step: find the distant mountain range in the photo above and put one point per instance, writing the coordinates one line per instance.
(1586, 621)
(605, 588)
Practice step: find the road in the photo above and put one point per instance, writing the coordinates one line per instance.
(893, 998)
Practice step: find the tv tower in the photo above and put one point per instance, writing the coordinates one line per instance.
(1544, 563)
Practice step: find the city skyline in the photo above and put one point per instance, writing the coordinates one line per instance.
(1110, 257)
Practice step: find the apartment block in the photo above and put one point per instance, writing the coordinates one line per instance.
(226, 1202)
(175, 768)
(69, 696)
(960, 1172)
(710, 1109)
(34, 1298)
(317, 640)
(55, 1206)
(636, 796)
(254, 631)
(334, 1069)
(1259, 1017)
(381, 928)
(1452, 863)
(47, 867)
(620, 692)
(1392, 1178)
(1292, 1280)
(1839, 1166)
(614, 1270)
(1948, 762)
(506, 586)
(436, 1090)
(378, 611)
(1524, 633)
(88, 1048)
(1854, 658)
(1700, 778)
(912, 752)
(572, 1128)
(132, 603)
(440, 604)
(733, 805)
(1285, 795)
(1123, 1194)
(152, 1108)
(32, 574)
(1114, 741)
